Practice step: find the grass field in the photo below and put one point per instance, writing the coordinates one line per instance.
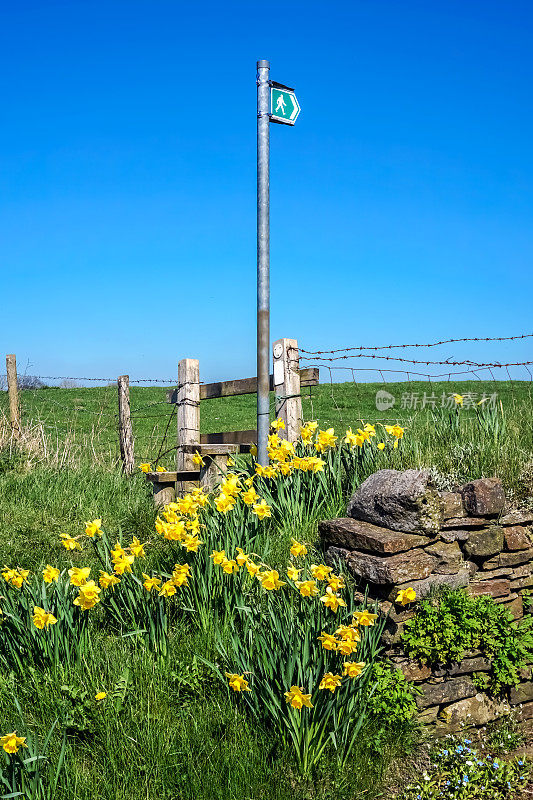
(167, 730)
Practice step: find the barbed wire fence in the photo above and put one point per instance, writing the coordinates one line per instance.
(92, 419)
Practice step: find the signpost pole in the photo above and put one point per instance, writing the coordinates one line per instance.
(263, 260)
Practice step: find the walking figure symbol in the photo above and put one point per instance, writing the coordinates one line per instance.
(280, 105)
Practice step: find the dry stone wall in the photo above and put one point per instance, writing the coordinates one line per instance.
(401, 532)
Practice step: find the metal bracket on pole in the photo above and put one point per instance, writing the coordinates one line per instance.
(263, 260)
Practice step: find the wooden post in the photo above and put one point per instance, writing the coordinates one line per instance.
(12, 388)
(188, 414)
(287, 387)
(125, 431)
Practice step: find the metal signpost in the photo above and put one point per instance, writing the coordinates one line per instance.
(275, 103)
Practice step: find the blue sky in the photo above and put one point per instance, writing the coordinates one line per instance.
(401, 201)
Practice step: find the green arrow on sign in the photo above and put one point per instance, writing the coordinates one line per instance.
(284, 106)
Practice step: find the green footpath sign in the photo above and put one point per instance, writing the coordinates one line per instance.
(284, 106)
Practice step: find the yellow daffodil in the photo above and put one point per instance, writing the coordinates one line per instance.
(50, 574)
(175, 532)
(332, 600)
(193, 526)
(11, 742)
(406, 596)
(218, 556)
(270, 580)
(347, 646)
(381, 445)
(352, 669)
(231, 485)
(297, 699)
(336, 582)
(123, 564)
(350, 438)
(137, 549)
(307, 588)
(151, 583)
(364, 618)
(329, 642)
(68, 542)
(278, 425)
(42, 619)
(250, 497)
(330, 681)
(459, 399)
(395, 430)
(230, 566)
(241, 558)
(79, 575)
(200, 498)
(118, 552)
(191, 543)
(197, 459)
(145, 467)
(168, 589)
(253, 569)
(320, 572)
(8, 574)
(348, 633)
(253, 450)
(20, 576)
(325, 439)
(106, 580)
(93, 528)
(298, 550)
(237, 682)
(100, 696)
(88, 596)
(224, 503)
(293, 573)
(161, 469)
(261, 509)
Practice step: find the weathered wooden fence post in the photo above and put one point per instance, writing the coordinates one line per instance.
(188, 416)
(125, 431)
(13, 391)
(287, 387)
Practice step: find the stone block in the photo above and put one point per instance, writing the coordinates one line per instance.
(466, 667)
(489, 575)
(525, 712)
(354, 534)
(476, 710)
(484, 497)
(485, 542)
(522, 583)
(448, 555)
(429, 715)
(452, 505)
(495, 588)
(522, 693)
(515, 606)
(509, 559)
(523, 571)
(399, 568)
(423, 587)
(517, 538)
(403, 501)
(464, 523)
(445, 692)
(517, 518)
(413, 670)
(334, 555)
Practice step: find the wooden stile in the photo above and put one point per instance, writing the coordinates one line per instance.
(188, 414)
(287, 387)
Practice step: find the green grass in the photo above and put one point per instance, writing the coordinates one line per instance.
(165, 730)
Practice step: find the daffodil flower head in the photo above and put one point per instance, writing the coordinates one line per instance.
(237, 682)
(330, 681)
(50, 574)
(11, 742)
(297, 698)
